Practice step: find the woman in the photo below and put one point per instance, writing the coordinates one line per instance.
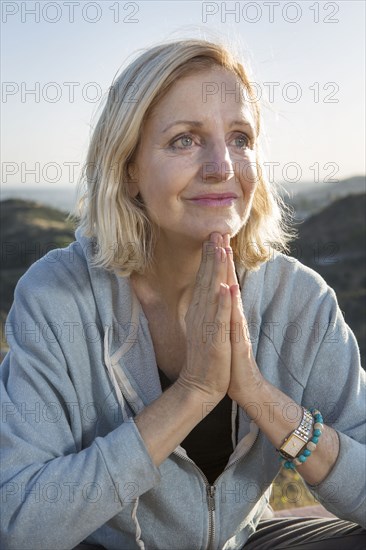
(159, 362)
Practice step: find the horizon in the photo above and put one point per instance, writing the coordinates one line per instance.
(47, 187)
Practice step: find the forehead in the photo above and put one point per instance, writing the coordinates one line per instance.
(212, 92)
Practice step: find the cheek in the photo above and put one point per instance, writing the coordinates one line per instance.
(249, 174)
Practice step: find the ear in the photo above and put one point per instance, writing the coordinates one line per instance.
(132, 183)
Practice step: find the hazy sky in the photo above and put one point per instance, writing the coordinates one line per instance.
(307, 60)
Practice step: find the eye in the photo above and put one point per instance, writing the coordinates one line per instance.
(242, 141)
(182, 142)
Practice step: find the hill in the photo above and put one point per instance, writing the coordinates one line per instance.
(332, 242)
(28, 231)
(309, 198)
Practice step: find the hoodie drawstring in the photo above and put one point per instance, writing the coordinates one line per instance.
(112, 376)
(124, 382)
(234, 412)
(140, 543)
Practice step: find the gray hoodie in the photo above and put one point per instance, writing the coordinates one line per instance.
(81, 366)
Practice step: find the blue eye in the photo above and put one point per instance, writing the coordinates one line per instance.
(182, 142)
(186, 141)
(242, 141)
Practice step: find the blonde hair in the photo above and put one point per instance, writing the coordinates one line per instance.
(119, 223)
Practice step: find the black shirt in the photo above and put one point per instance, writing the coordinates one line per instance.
(209, 444)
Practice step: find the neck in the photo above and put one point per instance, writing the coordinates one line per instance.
(171, 279)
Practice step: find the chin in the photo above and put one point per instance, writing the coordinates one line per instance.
(224, 227)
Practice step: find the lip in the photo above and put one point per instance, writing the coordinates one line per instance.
(219, 196)
(214, 199)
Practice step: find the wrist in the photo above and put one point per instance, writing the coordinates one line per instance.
(196, 396)
(253, 390)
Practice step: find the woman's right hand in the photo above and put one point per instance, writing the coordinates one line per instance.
(207, 367)
(205, 376)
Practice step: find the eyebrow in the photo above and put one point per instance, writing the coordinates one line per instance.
(197, 124)
(194, 123)
(241, 122)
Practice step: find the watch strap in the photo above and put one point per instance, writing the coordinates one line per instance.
(297, 440)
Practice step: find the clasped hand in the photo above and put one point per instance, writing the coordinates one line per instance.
(219, 353)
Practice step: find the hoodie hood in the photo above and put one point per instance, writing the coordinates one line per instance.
(125, 326)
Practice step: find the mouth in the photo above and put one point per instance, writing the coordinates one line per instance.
(214, 199)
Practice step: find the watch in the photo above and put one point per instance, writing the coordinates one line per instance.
(297, 440)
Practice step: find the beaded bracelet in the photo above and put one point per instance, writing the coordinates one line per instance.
(310, 446)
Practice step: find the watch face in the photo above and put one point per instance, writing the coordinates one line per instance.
(293, 446)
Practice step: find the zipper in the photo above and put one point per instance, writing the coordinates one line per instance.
(210, 492)
(210, 497)
(210, 489)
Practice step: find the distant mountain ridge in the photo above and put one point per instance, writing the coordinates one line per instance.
(309, 198)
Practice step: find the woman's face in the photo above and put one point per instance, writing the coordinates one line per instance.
(195, 166)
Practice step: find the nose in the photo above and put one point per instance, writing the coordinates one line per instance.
(217, 165)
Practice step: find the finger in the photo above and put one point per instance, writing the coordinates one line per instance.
(206, 293)
(203, 276)
(239, 326)
(218, 277)
(237, 310)
(231, 273)
(215, 237)
(209, 260)
(226, 240)
(223, 314)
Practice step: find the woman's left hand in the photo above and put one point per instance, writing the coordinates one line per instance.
(246, 378)
(248, 386)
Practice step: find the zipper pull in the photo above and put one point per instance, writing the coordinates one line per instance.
(211, 489)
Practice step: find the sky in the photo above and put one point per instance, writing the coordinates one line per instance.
(307, 60)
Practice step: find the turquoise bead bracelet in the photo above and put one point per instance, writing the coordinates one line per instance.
(310, 446)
